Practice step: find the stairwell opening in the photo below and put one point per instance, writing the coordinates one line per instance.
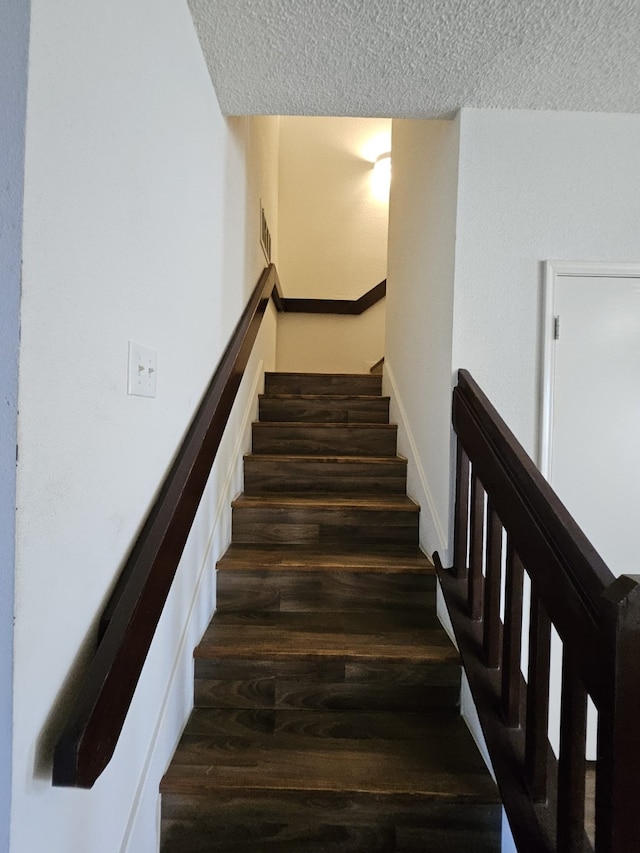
(332, 224)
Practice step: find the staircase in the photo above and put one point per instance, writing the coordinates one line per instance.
(326, 712)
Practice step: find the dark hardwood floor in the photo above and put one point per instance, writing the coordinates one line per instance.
(326, 692)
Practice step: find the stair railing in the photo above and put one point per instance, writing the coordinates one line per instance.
(512, 534)
(294, 305)
(132, 614)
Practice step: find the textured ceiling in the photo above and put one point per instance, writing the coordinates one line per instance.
(420, 58)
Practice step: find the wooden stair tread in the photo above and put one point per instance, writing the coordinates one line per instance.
(445, 766)
(330, 458)
(374, 503)
(330, 397)
(316, 636)
(315, 374)
(331, 558)
(319, 425)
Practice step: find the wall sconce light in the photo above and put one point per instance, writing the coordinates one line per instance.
(381, 179)
(383, 163)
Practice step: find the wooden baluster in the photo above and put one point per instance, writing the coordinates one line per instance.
(572, 760)
(512, 639)
(461, 528)
(493, 583)
(618, 767)
(476, 578)
(537, 720)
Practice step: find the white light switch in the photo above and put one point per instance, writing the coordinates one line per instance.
(143, 364)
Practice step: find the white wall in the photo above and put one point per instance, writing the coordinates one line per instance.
(522, 187)
(139, 204)
(333, 239)
(331, 343)
(422, 215)
(527, 186)
(533, 185)
(14, 39)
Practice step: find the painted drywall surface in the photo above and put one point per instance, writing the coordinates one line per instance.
(135, 228)
(328, 343)
(422, 214)
(263, 180)
(333, 231)
(14, 40)
(333, 238)
(533, 186)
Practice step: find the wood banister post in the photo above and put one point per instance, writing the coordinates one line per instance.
(461, 521)
(617, 812)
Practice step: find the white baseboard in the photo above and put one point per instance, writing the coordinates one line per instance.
(432, 533)
(436, 539)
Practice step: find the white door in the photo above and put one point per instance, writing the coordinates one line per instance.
(590, 449)
(593, 411)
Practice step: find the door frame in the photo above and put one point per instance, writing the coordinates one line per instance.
(553, 270)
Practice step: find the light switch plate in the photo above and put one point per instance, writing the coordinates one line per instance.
(143, 365)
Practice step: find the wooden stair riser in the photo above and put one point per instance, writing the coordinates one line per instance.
(347, 475)
(322, 409)
(309, 524)
(321, 383)
(325, 439)
(319, 727)
(334, 685)
(291, 591)
(328, 825)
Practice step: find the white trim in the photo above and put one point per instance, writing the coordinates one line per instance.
(223, 502)
(548, 367)
(469, 714)
(552, 271)
(414, 460)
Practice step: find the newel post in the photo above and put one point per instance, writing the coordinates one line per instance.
(618, 771)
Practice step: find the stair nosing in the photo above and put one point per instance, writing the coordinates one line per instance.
(310, 558)
(368, 397)
(316, 375)
(303, 457)
(326, 425)
(367, 503)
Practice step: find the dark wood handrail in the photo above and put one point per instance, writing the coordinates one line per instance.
(91, 733)
(293, 305)
(500, 491)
